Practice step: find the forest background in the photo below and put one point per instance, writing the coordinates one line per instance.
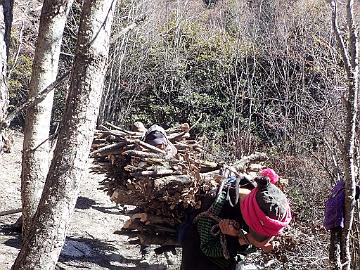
(260, 75)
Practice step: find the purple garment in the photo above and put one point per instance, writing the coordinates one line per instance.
(334, 206)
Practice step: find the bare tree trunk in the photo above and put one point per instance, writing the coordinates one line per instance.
(3, 64)
(35, 161)
(349, 157)
(350, 58)
(6, 7)
(47, 235)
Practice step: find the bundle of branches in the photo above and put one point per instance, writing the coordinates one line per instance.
(138, 173)
(162, 187)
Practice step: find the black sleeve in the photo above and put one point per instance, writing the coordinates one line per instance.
(234, 247)
(246, 183)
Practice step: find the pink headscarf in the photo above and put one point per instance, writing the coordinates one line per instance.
(256, 219)
(271, 174)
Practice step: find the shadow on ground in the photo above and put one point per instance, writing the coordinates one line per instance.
(87, 252)
(84, 203)
(10, 229)
(103, 254)
(87, 203)
(13, 242)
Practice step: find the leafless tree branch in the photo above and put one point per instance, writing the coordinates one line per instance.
(35, 100)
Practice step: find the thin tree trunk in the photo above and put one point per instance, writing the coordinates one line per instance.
(350, 58)
(35, 160)
(47, 235)
(6, 7)
(349, 157)
(3, 60)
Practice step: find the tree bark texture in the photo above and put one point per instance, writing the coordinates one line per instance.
(35, 161)
(350, 58)
(47, 235)
(349, 157)
(3, 61)
(6, 7)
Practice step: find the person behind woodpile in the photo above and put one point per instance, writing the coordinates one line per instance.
(221, 236)
(156, 136)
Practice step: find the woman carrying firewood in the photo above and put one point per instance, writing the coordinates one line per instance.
(156, 136)
(221, 236)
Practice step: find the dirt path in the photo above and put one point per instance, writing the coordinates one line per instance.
(91, 242)
(10, 169)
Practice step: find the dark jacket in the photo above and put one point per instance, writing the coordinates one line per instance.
(202, 250)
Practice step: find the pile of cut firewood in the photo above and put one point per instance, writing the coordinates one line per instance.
(162, 187)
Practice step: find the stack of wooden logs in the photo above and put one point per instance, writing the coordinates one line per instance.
(162, 187)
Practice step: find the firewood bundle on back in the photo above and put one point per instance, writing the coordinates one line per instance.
(139, 174)
(162, 186)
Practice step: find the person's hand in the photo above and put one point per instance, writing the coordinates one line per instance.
(267, 245)
(273, 245)
(229, 227)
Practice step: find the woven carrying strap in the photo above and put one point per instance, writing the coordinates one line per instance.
(212, 214)
(215, 230)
